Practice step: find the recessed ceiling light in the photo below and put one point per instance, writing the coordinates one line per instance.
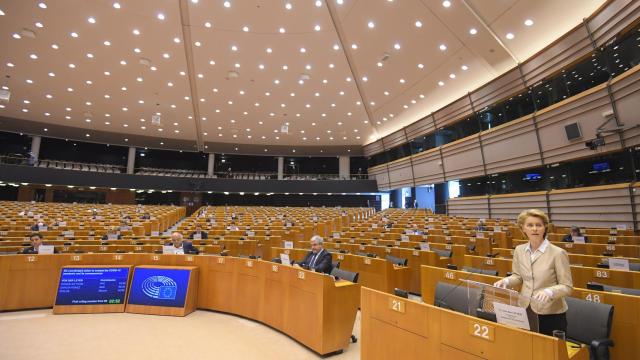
(446, 3)
(107, 73)
(420, 66)
(339, 2)
(441, 83)
(42, 5)
(166, 55)
(90, 55)
(331, 66)
(10, 65)
(269, 50)
(336, 47)
(528, 22)
(38, 24)
(510, 36)
(379, 64)
(371, 25)
(227, 4)
(354, 46)
(303, 50)
(122, 62)
(197, 43)
(74, 34)
(318, 3)
(443, 47)
(464, 67)
(107, 43)
(136, 32)
(234, 48)
(418, 23)
(52, 74)
(160, 16)
(91, 20)
(396, 46)
(402, 81)
(421, 96)
(72, 66)
(316, 28)
(245, 28)
(473, 31)
(365, 79)
(116, 5)
(288, 6)
(55, 46)
(452, 76)
(16, 36)
(33, 56)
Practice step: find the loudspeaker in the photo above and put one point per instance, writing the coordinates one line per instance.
(573, 131)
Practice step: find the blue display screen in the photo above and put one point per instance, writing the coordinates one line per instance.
(532, 177)
(92, 286)
(159, 287)
(600, 167)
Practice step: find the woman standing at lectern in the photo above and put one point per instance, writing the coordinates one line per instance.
(543, 271)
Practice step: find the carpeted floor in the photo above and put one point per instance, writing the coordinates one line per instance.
(38, 334)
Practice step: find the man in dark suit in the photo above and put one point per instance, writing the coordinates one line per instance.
(318, 258)
(203, 234)
(36, 241)
(181, 246)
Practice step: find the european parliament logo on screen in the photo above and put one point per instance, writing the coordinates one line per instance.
(159, 287)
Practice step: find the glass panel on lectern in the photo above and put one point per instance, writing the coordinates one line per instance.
(500, 305)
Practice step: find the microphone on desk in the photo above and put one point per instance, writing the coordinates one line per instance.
(442, 302)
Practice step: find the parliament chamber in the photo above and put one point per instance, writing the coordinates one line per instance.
(301, 179)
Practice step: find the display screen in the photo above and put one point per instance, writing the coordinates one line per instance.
(532, 177)
(92, 286)
(601, 167)
(159, 287)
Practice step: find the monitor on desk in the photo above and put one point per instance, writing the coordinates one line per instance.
(159, 287)
(92, 289)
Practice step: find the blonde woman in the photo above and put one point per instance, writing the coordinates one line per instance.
(543, 271)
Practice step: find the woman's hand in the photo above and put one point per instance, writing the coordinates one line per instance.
(502, 283)
(543, 295)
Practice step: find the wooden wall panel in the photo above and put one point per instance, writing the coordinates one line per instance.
(613, 19)
(373, 148)
(556, 57)
(381, 175)
(400, 173)
(462, 158)
(474, 207)
(503, 87)
(511, 146)
(428, 168)
(626, 92)
(598, 206)
(420, 127)
(585, 109)
(453, 112)
(509, 206)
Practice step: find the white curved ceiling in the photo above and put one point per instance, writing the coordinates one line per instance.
(314, 65)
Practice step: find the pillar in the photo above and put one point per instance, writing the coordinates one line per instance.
(35, 148)
(343, 167)
(210, 168)
(131, 160)
(280, 168)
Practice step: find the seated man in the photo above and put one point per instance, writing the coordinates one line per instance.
(146, 216)
(575, 231)
(480, 226)
(112, 234)
(36, 241)
(39, 226)
(181, 246)
(318, 259)
(199, 234)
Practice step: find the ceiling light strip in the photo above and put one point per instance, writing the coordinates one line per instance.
(486, 26)
(188, 51)
(354, 73)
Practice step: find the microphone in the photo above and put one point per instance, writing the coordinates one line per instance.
(442, 302)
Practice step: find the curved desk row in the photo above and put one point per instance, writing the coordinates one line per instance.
(308, 306)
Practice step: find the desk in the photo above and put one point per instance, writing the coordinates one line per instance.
(397, 328)
(310, 307)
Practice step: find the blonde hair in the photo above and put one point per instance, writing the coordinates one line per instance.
(533, 213)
